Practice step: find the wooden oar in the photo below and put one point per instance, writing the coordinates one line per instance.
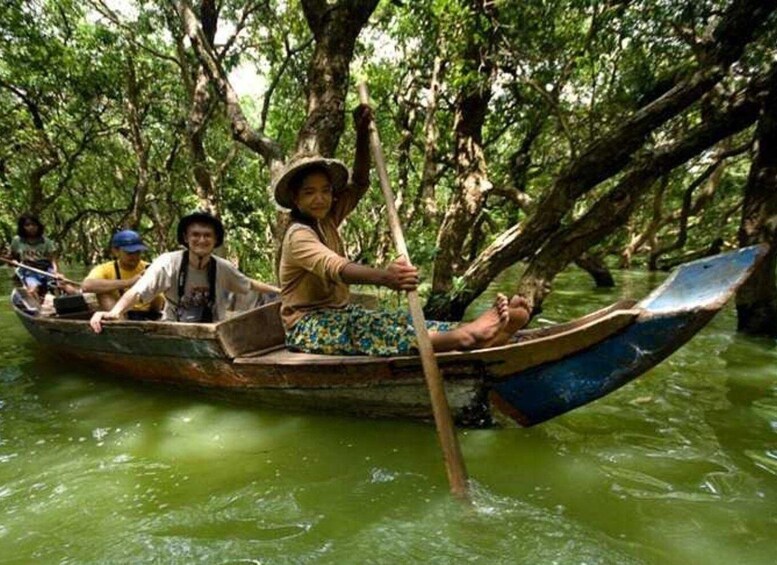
(38, 271)
(454, 463)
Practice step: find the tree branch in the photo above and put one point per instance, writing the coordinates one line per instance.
(242, 131)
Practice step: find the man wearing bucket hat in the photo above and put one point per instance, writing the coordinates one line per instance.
(195, 283)
(110, 280)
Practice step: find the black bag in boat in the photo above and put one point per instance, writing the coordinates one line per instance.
(143, 316)
(73, 304)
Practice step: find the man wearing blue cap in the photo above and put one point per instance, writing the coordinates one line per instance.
(110, 280)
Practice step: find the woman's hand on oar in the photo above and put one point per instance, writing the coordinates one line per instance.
(404, 276)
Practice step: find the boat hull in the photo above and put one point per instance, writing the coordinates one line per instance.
(544, 374)
(376, 390)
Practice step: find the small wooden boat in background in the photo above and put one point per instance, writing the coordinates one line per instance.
(542, 374)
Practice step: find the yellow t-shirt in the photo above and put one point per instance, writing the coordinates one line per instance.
(107, 271)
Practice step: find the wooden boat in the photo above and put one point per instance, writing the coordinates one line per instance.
(542, 374)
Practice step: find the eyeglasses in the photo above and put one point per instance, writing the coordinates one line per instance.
(199, 235)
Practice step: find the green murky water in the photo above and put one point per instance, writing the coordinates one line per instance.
(678, 467)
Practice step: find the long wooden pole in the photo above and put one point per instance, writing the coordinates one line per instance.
(38, 271)
(454, 462)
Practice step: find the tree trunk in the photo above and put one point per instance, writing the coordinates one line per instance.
(199, 110)
(614, 209)
(711, 179)
(405, 122)
(198, 86)
(195, 129)
(242, 131)
(38, 200)
(606, 157)
(472, 182)
(714, 248)
(335, 29)
(138, 144)
(49, 157)
(595, 266)
(649, 235)
(757, 298)
(425, 202)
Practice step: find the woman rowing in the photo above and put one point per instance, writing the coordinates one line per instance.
(315, 273)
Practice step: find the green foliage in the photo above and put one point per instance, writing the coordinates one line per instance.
(565, 72)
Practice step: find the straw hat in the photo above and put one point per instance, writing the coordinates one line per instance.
(338, 173)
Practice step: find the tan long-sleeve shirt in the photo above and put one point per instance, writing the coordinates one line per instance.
(310, 272)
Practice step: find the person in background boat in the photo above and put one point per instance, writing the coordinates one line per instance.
(315, 273)
(195, 283)
(31, 247)
(110, 280)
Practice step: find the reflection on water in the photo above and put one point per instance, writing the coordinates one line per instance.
(680, 466)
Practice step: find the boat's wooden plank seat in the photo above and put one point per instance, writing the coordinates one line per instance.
(283, 356)
(256, 330)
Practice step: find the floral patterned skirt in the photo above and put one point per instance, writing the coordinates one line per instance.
(355, 330)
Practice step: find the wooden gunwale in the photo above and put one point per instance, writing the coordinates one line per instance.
(156, 329)
(534, 333)
(508, 358)
(281, 368)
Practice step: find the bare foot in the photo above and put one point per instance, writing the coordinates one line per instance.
(486, 327)
(518, 316)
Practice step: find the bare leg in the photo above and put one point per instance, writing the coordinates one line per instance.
(33, 291)
(478, 333)
(31, 297)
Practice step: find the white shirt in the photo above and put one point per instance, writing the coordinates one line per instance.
(161, 276)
